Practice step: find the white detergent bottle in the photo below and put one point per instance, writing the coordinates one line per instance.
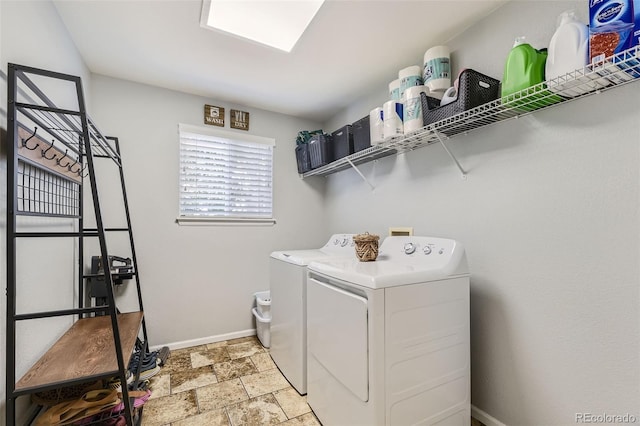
(568, 52)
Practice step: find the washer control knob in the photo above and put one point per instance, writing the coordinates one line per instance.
(344, 242)
(409, 248)
(426, 250)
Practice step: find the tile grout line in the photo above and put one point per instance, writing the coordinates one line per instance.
(226, 412)
(278, 390)
(226, 407)
(281, 407)
(254, 364)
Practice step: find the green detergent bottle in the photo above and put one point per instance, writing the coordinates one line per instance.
(525, 68)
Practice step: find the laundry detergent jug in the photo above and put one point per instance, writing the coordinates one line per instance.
(569, 52)
(524, 68)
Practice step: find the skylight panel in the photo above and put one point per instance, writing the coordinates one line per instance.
(278, 24)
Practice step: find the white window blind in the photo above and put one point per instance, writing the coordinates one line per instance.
(225, 175)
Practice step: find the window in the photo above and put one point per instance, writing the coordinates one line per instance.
(225, 176)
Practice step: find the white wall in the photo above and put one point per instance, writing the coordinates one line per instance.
(31, 33)
(198, 281)
(549, 216)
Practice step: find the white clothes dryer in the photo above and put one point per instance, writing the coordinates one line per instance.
(388, 341)
(288, 286)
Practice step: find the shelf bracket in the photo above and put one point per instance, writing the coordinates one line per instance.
(444, 145)
(360, 173)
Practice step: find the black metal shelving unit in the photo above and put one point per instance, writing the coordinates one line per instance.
(51, 153)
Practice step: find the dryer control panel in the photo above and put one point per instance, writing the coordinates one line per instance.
(404, 246)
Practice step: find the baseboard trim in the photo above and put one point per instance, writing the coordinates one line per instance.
(485, 418)
(206, 340)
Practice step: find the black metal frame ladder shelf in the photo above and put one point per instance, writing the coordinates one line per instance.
(51, 152)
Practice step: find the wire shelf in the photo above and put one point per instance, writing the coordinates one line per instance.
(614, 71)
(64, 126)
(359, 157)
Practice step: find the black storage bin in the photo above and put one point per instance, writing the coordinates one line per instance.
(432, 103)
(319, 150)
(302, 158)
(342, 142)
(474, 89)
(361, 134)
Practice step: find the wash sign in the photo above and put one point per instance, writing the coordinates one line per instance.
(214, 115)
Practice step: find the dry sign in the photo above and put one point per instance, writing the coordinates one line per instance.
(214, 115)
(239, 119)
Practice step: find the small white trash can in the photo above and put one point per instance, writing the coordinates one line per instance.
(262, 313)
(263, 303)
(263, 328)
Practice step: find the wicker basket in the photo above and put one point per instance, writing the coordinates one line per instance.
(366, 246)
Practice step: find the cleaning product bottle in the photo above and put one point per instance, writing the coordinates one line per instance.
(568, 51)
(525, 68)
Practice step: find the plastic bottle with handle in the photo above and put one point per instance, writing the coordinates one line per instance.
(569, 53)
(525, 67)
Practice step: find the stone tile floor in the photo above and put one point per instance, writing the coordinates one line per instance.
(229, 383)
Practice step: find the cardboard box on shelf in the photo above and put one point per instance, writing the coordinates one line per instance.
(611, 27)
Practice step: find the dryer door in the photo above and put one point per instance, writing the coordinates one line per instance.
(337, 333)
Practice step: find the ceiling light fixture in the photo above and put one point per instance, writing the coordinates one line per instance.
(278, 24)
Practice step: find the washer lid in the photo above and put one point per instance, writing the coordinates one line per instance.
(339, 245)
(300, 257)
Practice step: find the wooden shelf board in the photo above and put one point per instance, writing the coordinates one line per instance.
(87, 349)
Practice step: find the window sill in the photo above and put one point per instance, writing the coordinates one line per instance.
(216, 221)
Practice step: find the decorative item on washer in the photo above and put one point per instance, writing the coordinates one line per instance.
(366, 246)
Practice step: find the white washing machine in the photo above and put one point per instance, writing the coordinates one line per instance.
(388, 341)
(288, 286)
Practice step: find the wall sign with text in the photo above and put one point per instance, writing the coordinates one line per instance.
(239, 119)
(214, 115)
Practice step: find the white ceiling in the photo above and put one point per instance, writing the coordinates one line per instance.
(350, 49)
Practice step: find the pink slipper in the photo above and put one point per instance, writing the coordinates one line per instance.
(139, 401)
